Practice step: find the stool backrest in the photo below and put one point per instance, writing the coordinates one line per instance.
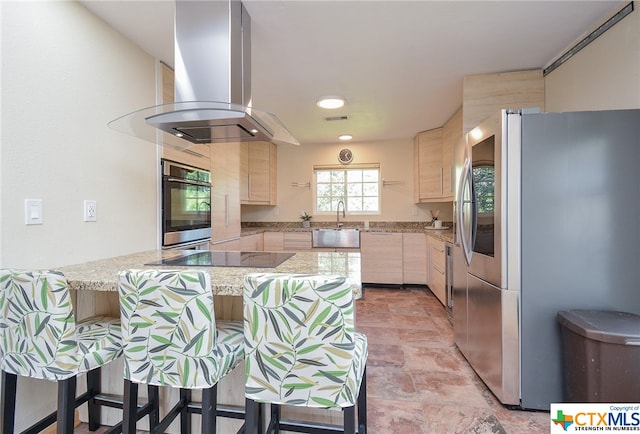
(299, 340)
(168, 327)
(37, 325)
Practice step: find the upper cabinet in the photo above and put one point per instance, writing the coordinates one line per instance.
(258, 173)
(196, 155)
(485, 94)
(431, 171)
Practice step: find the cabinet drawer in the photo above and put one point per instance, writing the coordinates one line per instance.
(438, 254)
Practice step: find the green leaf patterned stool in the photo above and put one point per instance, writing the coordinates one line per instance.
(171, 338)
(39, 338)
(301, 349)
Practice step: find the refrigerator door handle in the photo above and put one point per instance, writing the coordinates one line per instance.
(467, 232)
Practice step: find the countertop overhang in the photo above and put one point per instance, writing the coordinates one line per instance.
(102, 275)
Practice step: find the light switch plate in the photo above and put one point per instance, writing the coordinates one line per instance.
(33, 212)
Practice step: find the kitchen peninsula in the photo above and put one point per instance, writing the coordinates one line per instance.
(94, 286)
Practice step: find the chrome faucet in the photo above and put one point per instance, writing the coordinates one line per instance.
(338, 224)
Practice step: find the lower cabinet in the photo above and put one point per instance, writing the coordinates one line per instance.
(296, 241)
(381, 257)
(252, 243)
(414, 259)
(437, 269)
(273, 241)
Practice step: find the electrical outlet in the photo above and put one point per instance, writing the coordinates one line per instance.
(90, 211)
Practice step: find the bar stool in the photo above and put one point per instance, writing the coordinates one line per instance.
(171, 338)
(301, 349)
(39, 338)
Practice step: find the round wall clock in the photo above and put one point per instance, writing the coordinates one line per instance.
(345, 156)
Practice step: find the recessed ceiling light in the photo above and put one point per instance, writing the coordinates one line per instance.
(330, 102)
(346, 137)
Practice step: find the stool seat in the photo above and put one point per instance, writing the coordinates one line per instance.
(171, 338)
(39, 338)
(301, 349)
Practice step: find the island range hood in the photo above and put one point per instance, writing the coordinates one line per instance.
(212, 84)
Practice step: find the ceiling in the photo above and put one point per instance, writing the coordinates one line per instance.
(398, 64)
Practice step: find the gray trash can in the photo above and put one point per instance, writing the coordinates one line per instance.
(601, 356)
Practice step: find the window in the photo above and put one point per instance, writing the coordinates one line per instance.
(484, 183)
(357, 187)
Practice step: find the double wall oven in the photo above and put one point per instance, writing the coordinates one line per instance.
(186, 204)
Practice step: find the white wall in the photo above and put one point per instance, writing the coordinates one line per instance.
(64, 75)
(604, 75)
(295, 164)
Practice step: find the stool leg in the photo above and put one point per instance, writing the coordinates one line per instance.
(153, 393)
(9, 386)
(250, 416)
(185, 417)
(275, 418)
(362, 404)
(66, 405)
(349, 415)
(209, 403)
(130, 407)
(93, 387)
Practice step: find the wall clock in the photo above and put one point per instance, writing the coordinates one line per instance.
(345, 156)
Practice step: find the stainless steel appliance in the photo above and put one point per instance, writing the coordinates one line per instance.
(186, 204)
(547, 209)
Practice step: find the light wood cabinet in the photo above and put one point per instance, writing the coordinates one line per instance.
(225, 193)
(297, 241)
(196, 155)
(258, 173)
(414, 259)
(437, 269)
(252, 243)
(484, 94)
(451, 134)
(273, 241)
(381, 257)
(433, 167)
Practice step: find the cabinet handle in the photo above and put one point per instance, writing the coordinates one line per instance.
(226, 210)
(249, 185)
(441, 181)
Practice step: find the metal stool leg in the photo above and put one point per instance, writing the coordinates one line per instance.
(9, 384)
(154, 399)
(251, 417)
(66, 405)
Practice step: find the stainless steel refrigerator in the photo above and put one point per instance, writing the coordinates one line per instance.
(547, 218)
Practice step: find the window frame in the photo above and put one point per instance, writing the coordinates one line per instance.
(351, 167)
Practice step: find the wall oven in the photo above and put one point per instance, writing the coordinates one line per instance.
(186, 204)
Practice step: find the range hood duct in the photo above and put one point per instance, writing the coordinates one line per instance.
(212, 83)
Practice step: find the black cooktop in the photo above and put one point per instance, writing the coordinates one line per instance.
(207, 258)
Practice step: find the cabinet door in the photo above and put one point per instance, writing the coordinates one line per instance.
(451, 134)
(414, 259)
(225, 192)
(437, 269)
(296, 241)
(273, 241)
(381, 257)
(428, 150)
(252, 243)
(258, 173)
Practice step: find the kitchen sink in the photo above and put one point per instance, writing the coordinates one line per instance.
(336, 237)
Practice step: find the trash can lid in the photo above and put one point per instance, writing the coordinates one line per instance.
(621, 328)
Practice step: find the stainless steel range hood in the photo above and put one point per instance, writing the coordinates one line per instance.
(212, 83)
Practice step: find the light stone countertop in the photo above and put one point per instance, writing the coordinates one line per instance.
(102, 275)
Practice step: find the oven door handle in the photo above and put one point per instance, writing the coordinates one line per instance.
(185, 181)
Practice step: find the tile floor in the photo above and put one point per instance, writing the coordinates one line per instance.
(418, 381)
